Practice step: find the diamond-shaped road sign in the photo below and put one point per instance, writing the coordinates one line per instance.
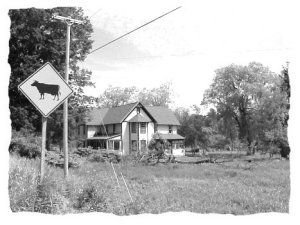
(46, 89)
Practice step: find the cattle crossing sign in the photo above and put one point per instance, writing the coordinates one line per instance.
(46, 89)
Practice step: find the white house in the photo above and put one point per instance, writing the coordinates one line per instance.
(129, 128)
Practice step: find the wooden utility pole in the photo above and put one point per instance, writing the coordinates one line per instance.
(69, 23)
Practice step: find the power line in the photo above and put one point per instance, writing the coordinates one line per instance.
(134, 30)
(200, 53)
(95, 13)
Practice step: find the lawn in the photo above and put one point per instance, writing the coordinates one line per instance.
(237, 187)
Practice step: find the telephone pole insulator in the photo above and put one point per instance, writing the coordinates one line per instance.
(68, 19)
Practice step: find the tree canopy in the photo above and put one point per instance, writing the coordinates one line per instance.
(35, 39)
(253, 97)
(116, 96)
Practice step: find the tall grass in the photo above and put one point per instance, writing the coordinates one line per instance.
(236, 187)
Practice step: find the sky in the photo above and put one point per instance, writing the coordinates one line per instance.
(186, 46)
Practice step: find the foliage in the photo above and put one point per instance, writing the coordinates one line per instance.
(161, 96)
(158, 145)
(56, 159)
(116, 96)
(89, 200)
(199, 130)
(251, 99)
(227, 188)
(35, 39)
(28, 146)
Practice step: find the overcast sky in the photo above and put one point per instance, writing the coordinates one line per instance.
(186, 46)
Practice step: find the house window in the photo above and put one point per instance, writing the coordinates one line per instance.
(155, 127)
(83, 128)
(133, 126)
(143, 145)
(133, 145)
(117, 145)
(110, 144)
(170, 129)
(143, 128)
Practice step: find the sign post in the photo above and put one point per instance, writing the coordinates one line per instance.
(69, 23)
(43, 150)
(46, 90)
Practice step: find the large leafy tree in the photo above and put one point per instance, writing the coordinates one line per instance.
(252, 97)
(35, 39)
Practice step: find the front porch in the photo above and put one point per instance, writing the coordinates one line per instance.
(176, 144)
(112, 142)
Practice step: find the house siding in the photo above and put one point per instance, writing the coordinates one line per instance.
(150, 131)
(138, 135)
(164, 129)
(125, 138)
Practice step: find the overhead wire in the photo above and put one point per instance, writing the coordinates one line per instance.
(133, 30)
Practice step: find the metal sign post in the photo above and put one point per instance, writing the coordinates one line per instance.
(43, 150)
(46, 90)
(69, 23)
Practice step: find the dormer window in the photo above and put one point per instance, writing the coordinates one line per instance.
(138, 110)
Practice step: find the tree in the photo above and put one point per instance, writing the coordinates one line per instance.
(161, 96)
(116, 96)
(36, 39)
(250, 96)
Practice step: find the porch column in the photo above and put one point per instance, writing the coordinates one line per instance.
(138, 137)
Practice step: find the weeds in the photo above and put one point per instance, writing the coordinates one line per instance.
(205, 188)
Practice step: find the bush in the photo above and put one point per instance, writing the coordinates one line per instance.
(218, 141)
(57, 159)
(25, 146)
(89, 200)
(96, 157)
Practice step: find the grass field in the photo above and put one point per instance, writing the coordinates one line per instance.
(234, 187)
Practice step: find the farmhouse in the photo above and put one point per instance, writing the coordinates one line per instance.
(129, 128)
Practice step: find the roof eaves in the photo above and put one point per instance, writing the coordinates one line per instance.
(129, 111)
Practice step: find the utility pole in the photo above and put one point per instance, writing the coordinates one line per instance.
(69, 23)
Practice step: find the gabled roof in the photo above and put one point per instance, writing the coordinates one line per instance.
(118, 114)
(159, 114)
(110, 115)
(139, 118)
(162, 115)
(96, 116)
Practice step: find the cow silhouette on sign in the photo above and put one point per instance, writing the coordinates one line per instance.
(52, 89)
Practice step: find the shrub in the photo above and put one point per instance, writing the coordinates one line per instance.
(90, 200)
(25, 146)
(57, 159)
(96, 157)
